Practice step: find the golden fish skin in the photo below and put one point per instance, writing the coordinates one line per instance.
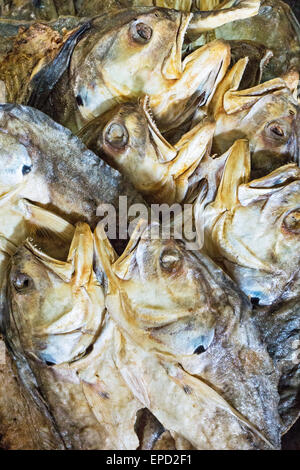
(250, 228)
(55, 156)
(36, 170)
(259, 260)
(33, 273)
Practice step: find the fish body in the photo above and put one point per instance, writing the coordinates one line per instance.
(123, 374)
(19, 412)
(280, 326)
(249, 227)
(44, 165)
(63, 174)
(91, 86)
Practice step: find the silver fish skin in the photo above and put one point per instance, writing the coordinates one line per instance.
(63, 174)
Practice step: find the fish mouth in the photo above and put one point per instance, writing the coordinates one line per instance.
(164, 150)
(172, 65)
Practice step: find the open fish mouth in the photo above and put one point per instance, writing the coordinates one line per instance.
(172, 66)
(164, 150)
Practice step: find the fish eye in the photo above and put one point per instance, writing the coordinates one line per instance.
(170, 260)
(79, 100)
(275, 130)
(22, 282)
(291, 222)
(200, 349)
(116, 135)
(26, 169)
(141, 32)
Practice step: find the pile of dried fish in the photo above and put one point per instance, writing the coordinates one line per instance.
(175, 104)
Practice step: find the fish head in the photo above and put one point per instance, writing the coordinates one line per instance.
(267, 116)
(138, 52)
(252, 227)
(53, 311)
(170, 294)
(129, 140)
(274, 142)
(31, 286)
(15, 162)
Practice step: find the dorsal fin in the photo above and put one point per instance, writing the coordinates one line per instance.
(81, 254)
(45, 80)
(236, 172)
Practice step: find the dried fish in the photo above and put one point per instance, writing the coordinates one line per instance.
(128, 138)
(267, 115)
(184, 324)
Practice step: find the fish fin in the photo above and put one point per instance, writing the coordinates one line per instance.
(62, 269)
(291, 78)
(81, 254)
(45, 80)
(231, 82)
(209, 20)
(172, 66)
(6, 246)
(235, 101)
(268, 184)
(236, 172)
(8, 195)
(211, 61)
(202, 71)
(122, 264)
(182, 5)
(105, 255)
(204, 392)
(40, 218)
(207, 5)
(192, 147)
(130, 373)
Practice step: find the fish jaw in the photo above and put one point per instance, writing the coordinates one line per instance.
(202, 71)
(166, 151)
(192, 148)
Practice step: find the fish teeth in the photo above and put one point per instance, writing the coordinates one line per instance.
(149, 113)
